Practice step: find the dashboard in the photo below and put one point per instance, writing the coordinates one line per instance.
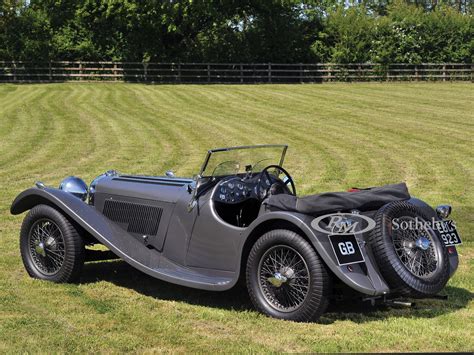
(234, 190)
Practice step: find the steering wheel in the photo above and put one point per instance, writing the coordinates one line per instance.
(268, 184)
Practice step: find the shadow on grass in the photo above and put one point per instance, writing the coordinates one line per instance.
(362, 312)
(123, 275)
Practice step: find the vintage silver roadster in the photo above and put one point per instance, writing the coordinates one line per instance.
(240, 218)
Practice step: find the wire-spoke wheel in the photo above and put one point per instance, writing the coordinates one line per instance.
(286, 278)
(50, 246)
(283, 277)
(410, 254)
(416, 248)
(47, 248)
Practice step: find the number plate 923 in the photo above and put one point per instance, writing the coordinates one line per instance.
(448, 233)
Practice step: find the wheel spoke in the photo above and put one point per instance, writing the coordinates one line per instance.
(284, 278)
(415, 249)
(55, 255)
(47, 248)
(297, 295)
(55, 262)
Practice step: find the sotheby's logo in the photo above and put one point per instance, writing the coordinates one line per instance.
(343, 223)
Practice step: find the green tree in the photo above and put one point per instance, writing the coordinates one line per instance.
(24, 33)
(347, 35)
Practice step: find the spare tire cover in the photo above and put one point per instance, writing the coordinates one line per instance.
(413, 261)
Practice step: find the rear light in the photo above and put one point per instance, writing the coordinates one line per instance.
(451, 250)
(349, 268)
(443, 211)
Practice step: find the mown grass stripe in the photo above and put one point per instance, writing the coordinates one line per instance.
(340, 135)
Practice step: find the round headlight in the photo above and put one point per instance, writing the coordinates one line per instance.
(75, 186)
(443, 211)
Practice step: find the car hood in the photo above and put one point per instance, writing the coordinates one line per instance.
(146, 187)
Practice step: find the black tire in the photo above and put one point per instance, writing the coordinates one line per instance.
(51, 248)
(269, 298)
(397, 265)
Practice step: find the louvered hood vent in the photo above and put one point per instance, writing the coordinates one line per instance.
(139, 218)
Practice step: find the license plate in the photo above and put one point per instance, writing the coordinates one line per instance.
(346, 248)
(449, 234)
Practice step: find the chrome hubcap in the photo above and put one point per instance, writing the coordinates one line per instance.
(284, 278)
(40, 248)
(423, 243)
(277, 279)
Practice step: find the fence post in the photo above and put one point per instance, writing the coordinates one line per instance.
(145, 71)
(14, 71)
(269, 72)
(301, 73)
(115, 71)
(80, 70)
(241, 73)
(416, 73)
(208, 73)
(329, 73)
(444, 72)
(179, 72)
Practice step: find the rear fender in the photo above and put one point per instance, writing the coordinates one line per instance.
(364, 277)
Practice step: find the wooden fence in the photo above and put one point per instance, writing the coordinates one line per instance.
(59, 71)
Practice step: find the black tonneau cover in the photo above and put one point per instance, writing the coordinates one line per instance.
(362, 200)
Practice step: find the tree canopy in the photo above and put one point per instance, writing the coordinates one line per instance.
(283, 31)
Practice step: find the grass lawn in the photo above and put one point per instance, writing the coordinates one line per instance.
(340, 135)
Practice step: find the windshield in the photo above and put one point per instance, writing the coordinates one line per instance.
(237, 160)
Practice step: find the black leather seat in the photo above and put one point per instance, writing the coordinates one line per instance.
(361, 199)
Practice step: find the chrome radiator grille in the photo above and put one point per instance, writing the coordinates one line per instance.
(140, 219)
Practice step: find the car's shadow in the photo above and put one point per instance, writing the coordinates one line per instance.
(121, 274)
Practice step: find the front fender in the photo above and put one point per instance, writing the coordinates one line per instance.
(116, 239)
(106, 232)
(121, 243)
(29, 198)
(364, 277)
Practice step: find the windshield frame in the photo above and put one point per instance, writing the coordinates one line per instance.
(211, 151)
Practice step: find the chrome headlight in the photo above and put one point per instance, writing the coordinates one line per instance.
(443, 211)
(74, 186)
